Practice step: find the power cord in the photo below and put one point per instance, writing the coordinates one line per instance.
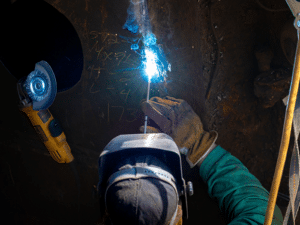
(271, 10)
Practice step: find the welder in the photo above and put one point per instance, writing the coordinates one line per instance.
(142, 188)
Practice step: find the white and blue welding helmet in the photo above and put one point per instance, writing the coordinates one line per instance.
(141, 179)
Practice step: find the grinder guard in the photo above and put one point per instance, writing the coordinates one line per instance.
(39, 88)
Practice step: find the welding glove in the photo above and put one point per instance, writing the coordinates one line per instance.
(176, 118)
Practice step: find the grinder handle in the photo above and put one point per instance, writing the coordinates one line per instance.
(51, 134)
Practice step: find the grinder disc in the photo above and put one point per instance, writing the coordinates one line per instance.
(41, 86)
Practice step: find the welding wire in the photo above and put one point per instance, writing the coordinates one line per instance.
(285, 138)
(146, 117)
(283, 196)
(145, 126)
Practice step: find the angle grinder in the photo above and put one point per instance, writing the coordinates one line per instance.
(37, 92)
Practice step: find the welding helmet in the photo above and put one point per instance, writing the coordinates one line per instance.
(141, 180)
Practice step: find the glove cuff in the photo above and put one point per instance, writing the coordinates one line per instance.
(201, 159)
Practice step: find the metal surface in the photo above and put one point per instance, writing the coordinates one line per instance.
(285, 139)
(103, 104)
(159, 141)
(288, 120)
(51, 37)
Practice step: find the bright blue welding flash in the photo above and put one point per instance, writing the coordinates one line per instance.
(151, 69)
(154, 65)
(134, 47)
(149, 39)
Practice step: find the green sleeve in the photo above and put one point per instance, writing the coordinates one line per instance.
(240, 195)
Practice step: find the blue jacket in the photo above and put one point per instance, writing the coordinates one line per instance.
(239, 194)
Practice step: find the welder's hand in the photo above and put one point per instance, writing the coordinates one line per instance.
(176, 118)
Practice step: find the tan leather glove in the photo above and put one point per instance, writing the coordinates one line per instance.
(176, 118)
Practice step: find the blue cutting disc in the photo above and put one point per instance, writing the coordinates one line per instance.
(41, 86)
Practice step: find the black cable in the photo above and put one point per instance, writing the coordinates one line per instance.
(271, 10)
(283, 196)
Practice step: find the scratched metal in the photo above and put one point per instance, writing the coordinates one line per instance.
(105, 102)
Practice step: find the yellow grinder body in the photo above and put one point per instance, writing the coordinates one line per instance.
(50, 132)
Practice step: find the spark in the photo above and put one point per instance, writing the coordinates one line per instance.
(151, 64)
(154, 64)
